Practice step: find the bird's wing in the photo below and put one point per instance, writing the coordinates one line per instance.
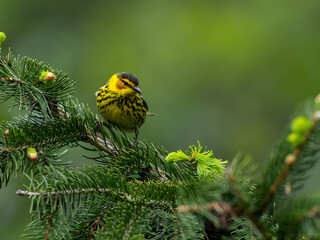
(144, 103)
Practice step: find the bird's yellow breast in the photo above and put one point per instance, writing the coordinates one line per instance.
(127, 111)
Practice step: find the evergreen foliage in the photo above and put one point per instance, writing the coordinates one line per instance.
(133, 192)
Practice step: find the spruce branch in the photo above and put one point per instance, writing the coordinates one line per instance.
(26, 193)
(150, 194)
(306, 212)
(73, 111)
(9, 79)
(290, 160)
(54, 121)
(216, 206)
(100, 143)
(98, 221)
(48, 228)
(36, 145)
(313, 213)
(175, 214)
(19, 80)
(133, 192)
(82, 179)
(244, 206)
(129, 227)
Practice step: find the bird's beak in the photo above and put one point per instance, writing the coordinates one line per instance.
(137, 89)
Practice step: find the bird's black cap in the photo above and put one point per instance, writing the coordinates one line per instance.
(130, 77)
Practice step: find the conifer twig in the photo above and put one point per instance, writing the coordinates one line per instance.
(96, 222)
(215, 205)
(96, 141)
(48, 229)
(100, 144)
(10, 79)
(314, 212)
(245, 206)
(36, 145)
(26, 193)
(128, 230)
(289, 161)
(174, 211)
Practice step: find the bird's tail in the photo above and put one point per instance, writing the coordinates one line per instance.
(151, 114)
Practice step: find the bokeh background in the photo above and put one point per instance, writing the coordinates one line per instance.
(227, 73)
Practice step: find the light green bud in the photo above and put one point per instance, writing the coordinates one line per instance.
(2, 37)
(177, 156)
(295, 139)
(301, 124)
(32, 153)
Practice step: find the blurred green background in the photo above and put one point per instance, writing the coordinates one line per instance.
(227, 73)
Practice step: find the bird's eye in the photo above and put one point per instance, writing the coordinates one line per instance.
(126, 83)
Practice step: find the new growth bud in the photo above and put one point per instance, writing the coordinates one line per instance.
(177, 156)
(301, 124)
(32, 154)
(6, 132)
(208, 167)
(295, 139)
(50, 77)
(2, 38)
(47, 76)
(299, 127)
(290, 159)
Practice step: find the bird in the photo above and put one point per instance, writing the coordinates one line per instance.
(120, 103)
